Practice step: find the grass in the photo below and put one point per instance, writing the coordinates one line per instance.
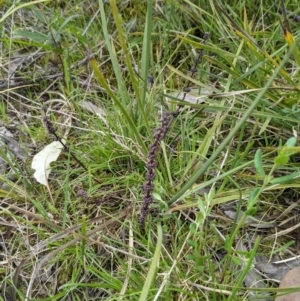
(235, 150)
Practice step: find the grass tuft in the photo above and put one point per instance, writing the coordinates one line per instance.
(179, 175)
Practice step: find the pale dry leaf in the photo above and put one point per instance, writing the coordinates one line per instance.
(291, 279)
(92, 108)
(189, 97)
(275, 268)
(252, 221)
(42, 160)
(3, 163)
(252, 279)
(7, 137)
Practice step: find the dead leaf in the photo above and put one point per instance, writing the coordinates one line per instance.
(291, 279)
(250, 220)
(253, 279)
(42, 160)
(92, 108)
(275, 268)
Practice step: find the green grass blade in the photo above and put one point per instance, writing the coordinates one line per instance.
(245, 270)
(13, 9)
(125, 98)
(218, 151)
(103, 83)
(153, 266)
(122, 40)
(146, 50)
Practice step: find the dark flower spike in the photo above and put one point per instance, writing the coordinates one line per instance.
(159, 134)
(148, 186)
(49, 125)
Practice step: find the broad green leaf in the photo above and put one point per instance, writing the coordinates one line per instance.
(281, 160)
(191, 243)
(32, 35)
(193, 228)
(251, 211)
(291, 142)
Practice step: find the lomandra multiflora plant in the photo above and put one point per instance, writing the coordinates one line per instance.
(159, 134)
(148, 186)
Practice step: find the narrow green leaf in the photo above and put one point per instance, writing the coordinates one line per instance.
(284, 179)
(291, 142)
(284, 246)
(126, 99)
(153, 266)
(258, 162)
(232, 133)
(251, 211)
(32, 35)
(112, 54)
(244, 271)
(83, 232)
(236, 260)
(146, 50)
(253, 198)
(122, 40)
(103, 83)
(190, 257)
(193, 228)
(289, 148)
(228, 244)
(67, 20)
(39, 14)
(14, 8)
